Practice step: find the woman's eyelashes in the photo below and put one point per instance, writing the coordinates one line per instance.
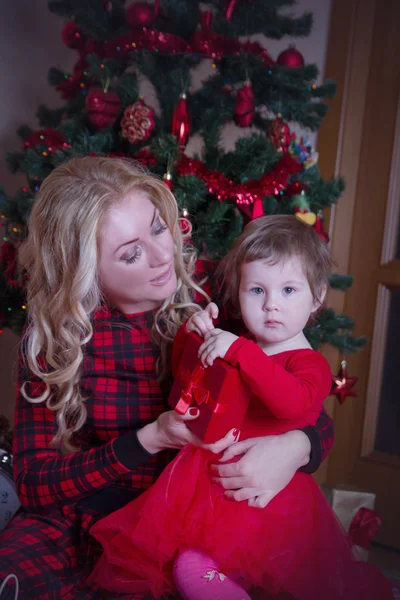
(158, 229)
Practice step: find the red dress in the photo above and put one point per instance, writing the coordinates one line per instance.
(294, 546)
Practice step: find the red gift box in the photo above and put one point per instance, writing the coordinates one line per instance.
(218, 392)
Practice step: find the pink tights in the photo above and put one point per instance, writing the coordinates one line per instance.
(197, 577)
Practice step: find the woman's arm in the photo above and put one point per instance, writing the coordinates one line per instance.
(321, 438)
(47, 479)
(269, 462)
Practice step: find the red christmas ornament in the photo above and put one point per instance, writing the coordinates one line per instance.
(342, 385)
(140, 14)
(137, 122)
(146, 157)
(245, 106)
(205, 20)
(103, 107)
(290, 58)
(50, 138)
(230, 7)
(168, 180)
(279, 134)
(319, 227)
(185, 225)
(8, 261)
(72, 36)
(69, 88)
(204, 276)
(180, 127)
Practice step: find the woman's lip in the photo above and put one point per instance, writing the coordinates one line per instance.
(163, 278)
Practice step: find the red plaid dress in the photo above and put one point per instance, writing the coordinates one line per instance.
(48, 545)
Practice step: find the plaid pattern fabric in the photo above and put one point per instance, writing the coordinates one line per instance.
(122, 393)
(48, 546)
(324, 429)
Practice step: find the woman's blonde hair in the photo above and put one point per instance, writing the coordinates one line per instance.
(60, 256)
(276, 238)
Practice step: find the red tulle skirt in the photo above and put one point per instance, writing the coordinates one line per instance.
(294, 547)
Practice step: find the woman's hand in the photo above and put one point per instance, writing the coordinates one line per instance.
(202, 321)
(170, 431)
(266, 467)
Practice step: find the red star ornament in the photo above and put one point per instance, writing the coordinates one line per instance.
(342, 385)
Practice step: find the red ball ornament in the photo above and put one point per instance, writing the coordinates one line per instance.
(168, 180)
(137, 122)
(180, 127)
(290, 58)
(279, 134)
(342, 385)
(103, 107)
(245, 106)
(72, 36)
(50, 138)
(140, 14)
(319, 227)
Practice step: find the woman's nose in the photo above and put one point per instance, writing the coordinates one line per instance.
(158, 254)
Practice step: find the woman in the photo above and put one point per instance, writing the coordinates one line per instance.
(109, 285)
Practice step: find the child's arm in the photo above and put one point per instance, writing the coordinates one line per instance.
(288, 392)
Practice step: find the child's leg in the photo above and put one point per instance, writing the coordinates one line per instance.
(198, 577)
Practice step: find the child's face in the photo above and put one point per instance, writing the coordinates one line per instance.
(275, 300)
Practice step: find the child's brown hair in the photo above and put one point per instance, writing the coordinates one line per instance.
(276, 238)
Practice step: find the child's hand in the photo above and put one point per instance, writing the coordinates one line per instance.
(201, 322)
(216, 345)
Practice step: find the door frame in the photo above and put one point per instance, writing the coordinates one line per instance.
(356, 141)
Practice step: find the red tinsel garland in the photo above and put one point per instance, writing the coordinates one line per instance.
(270, 184)
(243, 194)
(208, 45)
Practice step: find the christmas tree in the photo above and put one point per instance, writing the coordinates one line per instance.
(103, 112)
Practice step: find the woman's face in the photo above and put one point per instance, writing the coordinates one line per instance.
(136, 263)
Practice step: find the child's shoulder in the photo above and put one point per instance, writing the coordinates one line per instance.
(304, 357)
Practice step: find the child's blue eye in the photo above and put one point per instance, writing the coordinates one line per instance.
(288, 290)
(256, 290)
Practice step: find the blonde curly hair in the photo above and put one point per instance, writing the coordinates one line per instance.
(60, 256)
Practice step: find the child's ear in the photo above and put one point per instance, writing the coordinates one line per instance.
(321, 299)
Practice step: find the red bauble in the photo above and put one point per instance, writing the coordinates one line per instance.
(72, 36)
(319, 228)
(279, 134)
(8, 261)
(137, 122)
(245, 106)
(140, 14)
(51, 138)
(290, 58)
(342, 385)
(168, 180)
(103, 107)
(180, 127)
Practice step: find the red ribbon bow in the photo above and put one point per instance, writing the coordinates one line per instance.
(195, 392)
(364, 527)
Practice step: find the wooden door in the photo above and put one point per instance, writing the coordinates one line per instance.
(361, 141)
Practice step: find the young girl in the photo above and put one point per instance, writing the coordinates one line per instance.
(109, 285)
(185, 531)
